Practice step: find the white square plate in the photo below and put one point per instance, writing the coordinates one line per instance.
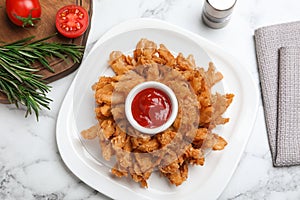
(77, 113)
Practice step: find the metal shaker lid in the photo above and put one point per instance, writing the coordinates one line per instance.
(216, 13)
(219, 8)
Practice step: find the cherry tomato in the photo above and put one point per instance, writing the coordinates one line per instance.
(72, 21)
(23, 12)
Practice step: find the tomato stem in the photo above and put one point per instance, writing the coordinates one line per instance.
(27, 20)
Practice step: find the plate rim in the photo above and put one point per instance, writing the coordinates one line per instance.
(63, 116)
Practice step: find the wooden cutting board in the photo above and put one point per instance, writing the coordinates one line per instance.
(45, 27)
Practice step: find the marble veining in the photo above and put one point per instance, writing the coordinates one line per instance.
(159, 10)
(30, 164)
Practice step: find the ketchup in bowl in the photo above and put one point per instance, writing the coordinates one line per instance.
(151, 108)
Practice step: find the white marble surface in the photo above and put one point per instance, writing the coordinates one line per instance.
(30, 164)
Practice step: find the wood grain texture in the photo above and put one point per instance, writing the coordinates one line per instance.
(45, 27)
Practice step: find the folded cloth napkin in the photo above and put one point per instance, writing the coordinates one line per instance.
(288, 124)
(278, 54)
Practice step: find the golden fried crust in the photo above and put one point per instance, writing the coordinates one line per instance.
(166, 55)
(220, 144)
(119, 63)
(138, 155)
(108, 128)
(178, 174)
(118, 173)
(90, 133)
(166, 137)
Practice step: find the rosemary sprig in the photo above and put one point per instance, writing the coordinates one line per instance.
(18, 79)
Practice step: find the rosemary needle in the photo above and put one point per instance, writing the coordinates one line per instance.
(18, 79)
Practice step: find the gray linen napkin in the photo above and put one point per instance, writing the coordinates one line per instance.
(268, 41)
(288, 125)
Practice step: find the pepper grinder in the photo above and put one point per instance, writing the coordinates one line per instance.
(216, 13)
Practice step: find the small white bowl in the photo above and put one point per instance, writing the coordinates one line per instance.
(157, 85)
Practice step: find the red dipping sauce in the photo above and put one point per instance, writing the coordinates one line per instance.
(151, 108)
